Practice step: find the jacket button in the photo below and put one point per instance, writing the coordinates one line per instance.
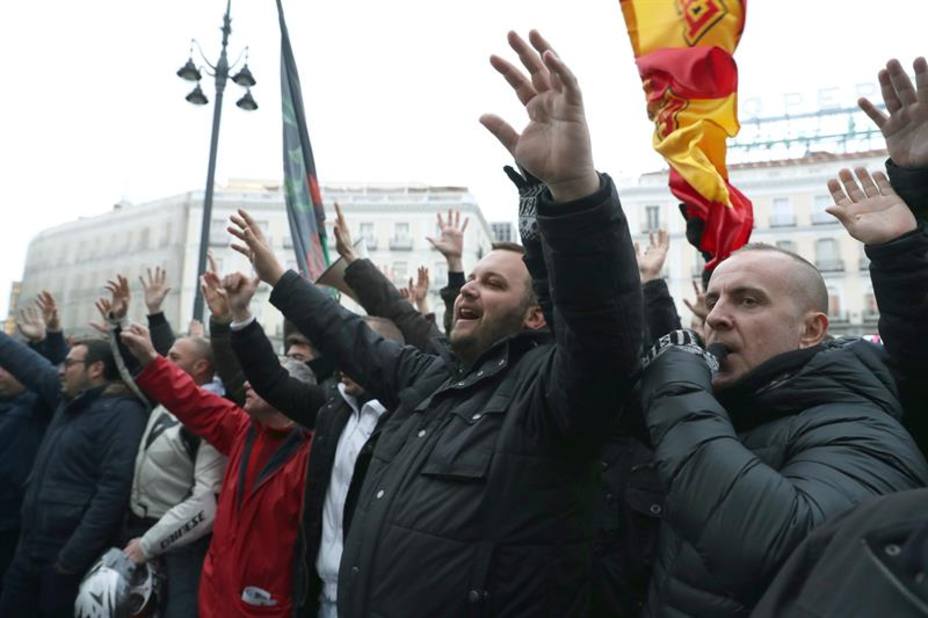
(474, 596)
(480, 373)
(656, 509)
(355, 570)
(476, 417)
(502, 362)
(421, 433)
(604, 465)
(610, 498)
(892, 549)
(380, 494)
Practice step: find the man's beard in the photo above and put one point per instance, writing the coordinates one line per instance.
(469, 347)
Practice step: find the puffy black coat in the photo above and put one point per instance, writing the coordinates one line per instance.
(78, 491)
(480, 486)
(803, 438)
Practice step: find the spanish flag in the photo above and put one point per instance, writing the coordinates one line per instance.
(683, 49)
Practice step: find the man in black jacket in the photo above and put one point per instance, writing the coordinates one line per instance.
(787, 432)
(873, 560)
(79, 488)
(480, 486)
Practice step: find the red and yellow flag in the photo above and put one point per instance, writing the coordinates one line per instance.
(683, 49)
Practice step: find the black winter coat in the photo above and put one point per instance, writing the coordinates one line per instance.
(23, 420)
(803, 438)
(78, 491)
(480, 486)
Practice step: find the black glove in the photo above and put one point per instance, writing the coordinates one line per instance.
(529, 189)
(687, 341)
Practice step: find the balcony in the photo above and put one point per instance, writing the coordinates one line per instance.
(871, 317)
(820, 217)
(400, 243)
(370, 242)
(864, 263)
(838, 318)
(830, 266)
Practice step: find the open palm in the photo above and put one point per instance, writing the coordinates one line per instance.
(870, 211)
(906, 126)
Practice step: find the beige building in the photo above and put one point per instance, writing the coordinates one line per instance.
(74, 260)
(789, 197)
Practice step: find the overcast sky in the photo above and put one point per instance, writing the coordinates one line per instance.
(91, 111)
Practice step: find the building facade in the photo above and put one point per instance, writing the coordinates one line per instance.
(789, 197)
(75, 260)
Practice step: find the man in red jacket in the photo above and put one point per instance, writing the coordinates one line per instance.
(248, 569)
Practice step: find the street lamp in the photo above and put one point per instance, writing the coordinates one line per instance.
(244, 78)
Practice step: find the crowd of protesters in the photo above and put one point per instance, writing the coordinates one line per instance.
(560, 446)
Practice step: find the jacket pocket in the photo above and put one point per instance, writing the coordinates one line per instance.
(464, 449)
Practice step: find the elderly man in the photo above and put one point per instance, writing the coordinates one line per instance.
(262, 490)
(479, 487)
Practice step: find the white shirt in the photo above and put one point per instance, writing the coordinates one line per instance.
(357, 430)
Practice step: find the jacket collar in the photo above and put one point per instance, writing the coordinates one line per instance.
(85, 398)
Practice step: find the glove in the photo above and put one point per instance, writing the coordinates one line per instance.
(529, 189)
(687, 341)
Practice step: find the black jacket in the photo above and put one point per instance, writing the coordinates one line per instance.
(23, 420)
(874, 560)
(630, 499)
(750, 472)
(660, 312)
(484, 478)
(78, 492)
(869, 562)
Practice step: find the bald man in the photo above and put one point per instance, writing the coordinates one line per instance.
(789, 429)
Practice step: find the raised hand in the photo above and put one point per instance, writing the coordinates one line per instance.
(213, 294)
(119, 288)
(870, 211)
(651, 260)
(256, 247)
(555, 146)
(343, 242)
(240, 289)
(30, 323)
(156, 289)
(49, 308)
(906, 126)
(450, 241)
(419, 290)
(196, 329)
(137, 338)
(698, 307)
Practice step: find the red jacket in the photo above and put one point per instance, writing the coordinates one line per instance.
(255, 532)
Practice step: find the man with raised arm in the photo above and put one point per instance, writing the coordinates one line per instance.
(782, 432)
(479, 488)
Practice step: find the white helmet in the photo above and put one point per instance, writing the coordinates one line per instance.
(116, 587)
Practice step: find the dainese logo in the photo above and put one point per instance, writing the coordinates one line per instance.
(699, 17)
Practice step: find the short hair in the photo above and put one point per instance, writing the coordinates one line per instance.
(98, 350)
(809, 282)
(530, 297)
(203, 349)
(508, 246)
(385, 328)
(299, 370)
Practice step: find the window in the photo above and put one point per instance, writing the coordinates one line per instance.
(367, 233)
(400, 276)
(787, 245)
(781, 213)
(144, 235)
(827, 258)
(864, 261)
(439, 275)
(217, 233)
(288, 241)
(401, 238)
(819, 216)
(871, 310)
(652, 218)
(168, 233)
(834, 303)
